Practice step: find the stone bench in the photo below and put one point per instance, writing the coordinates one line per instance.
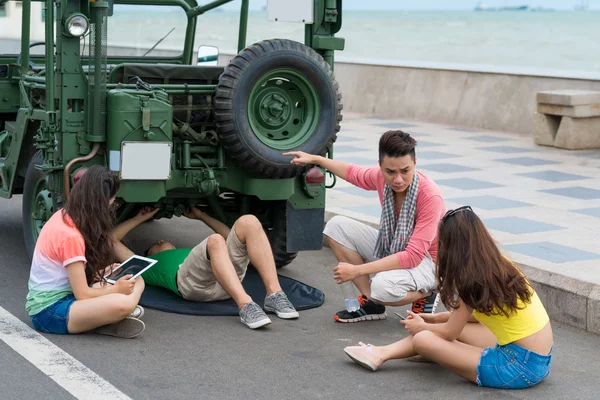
(568, 119)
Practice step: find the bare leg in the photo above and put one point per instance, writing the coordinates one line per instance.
(461, 357)
(225, 271)
(458, 357)
(250, 232)
(89, 314)
(344, 254)
(401, 349)
(474, 334)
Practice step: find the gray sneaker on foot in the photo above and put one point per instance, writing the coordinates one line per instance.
(127, 329)
(253, 316)
(279, 304)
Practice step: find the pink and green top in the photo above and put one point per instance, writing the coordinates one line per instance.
(59, 244)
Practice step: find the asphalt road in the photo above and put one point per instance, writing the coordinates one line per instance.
(191, 357)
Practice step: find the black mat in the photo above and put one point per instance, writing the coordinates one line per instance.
(301, 295)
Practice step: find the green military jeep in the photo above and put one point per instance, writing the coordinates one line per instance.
(178, 131)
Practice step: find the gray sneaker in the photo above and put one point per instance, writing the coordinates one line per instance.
(279, 304)
(128, 328)
(253, 316)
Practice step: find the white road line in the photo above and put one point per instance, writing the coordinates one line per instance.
(73, 376)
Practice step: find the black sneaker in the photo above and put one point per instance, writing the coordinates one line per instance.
(368, 311)
(426, 305)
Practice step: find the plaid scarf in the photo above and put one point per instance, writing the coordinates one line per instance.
(395, 234)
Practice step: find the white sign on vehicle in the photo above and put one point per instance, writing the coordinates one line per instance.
(145, 160)
(291, 11)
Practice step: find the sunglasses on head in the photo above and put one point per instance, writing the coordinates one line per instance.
(456, 211)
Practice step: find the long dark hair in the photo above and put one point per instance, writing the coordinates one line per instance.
(88, 207)
(471, 267)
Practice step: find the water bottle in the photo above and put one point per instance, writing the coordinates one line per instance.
(350, 296)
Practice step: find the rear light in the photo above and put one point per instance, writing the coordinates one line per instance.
(314, 175)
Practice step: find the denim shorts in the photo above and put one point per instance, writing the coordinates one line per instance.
(54, 318)
(512, 367)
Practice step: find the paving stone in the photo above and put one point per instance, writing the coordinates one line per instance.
(507, 149)
(490, 202)
(527, 161)
(593, 212)
(468, 130)
(467, 183)
(554, 176)
(448, 168)
(576, 192)
(553, 252)
(487, 139)
(396, 125)
(517, 225)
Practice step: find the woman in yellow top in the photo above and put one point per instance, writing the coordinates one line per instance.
(498, 333)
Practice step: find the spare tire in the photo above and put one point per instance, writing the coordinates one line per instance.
(277, 96)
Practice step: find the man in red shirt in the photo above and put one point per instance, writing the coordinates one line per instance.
(394, 266)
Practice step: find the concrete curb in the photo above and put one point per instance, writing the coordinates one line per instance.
(567, 300)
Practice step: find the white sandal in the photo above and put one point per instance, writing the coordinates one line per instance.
(362, 355)
(138, 312)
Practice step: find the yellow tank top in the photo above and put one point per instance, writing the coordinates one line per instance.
(520, 324)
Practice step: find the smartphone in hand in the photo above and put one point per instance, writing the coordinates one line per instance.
(400, 316)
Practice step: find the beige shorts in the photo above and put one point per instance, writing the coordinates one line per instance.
(388, 286)
(195, 278)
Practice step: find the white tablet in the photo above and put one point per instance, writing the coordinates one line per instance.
(135, 265)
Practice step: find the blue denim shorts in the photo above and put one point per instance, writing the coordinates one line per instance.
(54, 318)
(512, 367)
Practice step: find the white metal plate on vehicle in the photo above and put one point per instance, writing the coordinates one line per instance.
(145, 160)
(291, 11)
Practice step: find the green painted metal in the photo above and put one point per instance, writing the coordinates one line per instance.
(321, 34)
(196, 11)
(25, 32)
(301, 199)
(50, 106)
(243, 25)
(283, 109)
(9, 96)
(73, 96)
(328, 43)
(8, 165)
(97, 97)
(264, 189)
(53, 111)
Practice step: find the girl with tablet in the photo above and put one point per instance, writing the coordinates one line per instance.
(73, 250)
(498, 334)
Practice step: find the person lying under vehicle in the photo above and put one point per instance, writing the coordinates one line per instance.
(215, 268)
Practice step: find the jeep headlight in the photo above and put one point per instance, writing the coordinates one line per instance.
(77, 25)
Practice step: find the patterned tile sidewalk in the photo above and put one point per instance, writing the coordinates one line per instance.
(541, 204)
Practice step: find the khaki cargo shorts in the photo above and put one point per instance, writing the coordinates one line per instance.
(388, 286)
(195, 278)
